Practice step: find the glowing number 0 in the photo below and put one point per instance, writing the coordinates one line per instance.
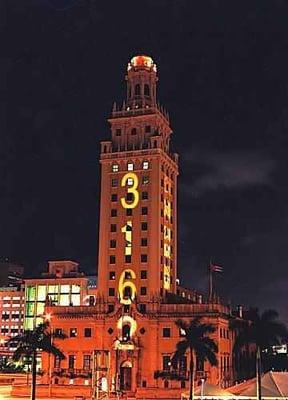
(124, 283)
(126, 319)
(132, 189)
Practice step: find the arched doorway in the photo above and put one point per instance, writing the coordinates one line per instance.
(126, 375)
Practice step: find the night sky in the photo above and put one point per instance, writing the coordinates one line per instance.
(223, 76)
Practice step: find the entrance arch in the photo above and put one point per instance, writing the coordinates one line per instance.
(126, 375)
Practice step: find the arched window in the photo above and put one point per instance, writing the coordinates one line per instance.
(146, 90)
(137, 90)
(126, 332)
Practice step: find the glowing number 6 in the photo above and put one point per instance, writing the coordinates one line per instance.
(132, 189)
(124, 283)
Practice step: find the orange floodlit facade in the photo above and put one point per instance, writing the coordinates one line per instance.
(121, 344)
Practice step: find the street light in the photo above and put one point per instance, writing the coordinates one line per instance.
(202, 388)
(47, 318)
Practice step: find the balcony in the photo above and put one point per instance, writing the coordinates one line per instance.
(188, 309)
(72, 372)
(173, 374)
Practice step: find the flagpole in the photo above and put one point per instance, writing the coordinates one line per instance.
(210, 282)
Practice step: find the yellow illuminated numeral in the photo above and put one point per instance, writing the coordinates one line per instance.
(166, 277)
(167, 250)
(167, 233)
(167, 209)
(126, 319)
(131, 189)
(124, 283)
(127, 230)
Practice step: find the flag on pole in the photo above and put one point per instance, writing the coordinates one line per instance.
(215, 268)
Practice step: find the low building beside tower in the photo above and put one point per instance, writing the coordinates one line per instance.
(62, 285)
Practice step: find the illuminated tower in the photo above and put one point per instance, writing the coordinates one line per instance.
(138, 212)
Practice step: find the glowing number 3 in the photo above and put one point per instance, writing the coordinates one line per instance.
(124, 283)
(131, 189)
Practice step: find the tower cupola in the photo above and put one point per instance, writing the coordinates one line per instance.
(141, 82)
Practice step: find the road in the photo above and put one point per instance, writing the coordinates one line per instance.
(5, 391)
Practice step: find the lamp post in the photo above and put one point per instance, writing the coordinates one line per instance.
(202, 388)
(48, 319)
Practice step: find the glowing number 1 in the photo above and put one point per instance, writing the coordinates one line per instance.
(127, 230)
(131, 189)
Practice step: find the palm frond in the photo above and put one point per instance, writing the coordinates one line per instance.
(20, 352)
(210, 344)
(182, 324)
(181, 349)
(59, 335)
(32, 341)
(48, 348)
(269, 315)
(197, 341)
(205, 329)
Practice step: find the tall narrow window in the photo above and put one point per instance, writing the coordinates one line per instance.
(57, 362)
(114, 197)
(137, 90)
(71, 361)
(86, 362)
(112, 259)
(166, 363)
(114, 182)
(143, 290)
(113, 243)
(146, 90)
(126, 332)
(144, 211)
(87, 332)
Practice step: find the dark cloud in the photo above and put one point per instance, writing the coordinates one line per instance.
(228, 170)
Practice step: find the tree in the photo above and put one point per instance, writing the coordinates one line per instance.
(30, 342)
(199, 345)
(262, 331)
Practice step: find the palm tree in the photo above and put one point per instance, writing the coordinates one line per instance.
(198, 343)
(262, 331)
(30, 342)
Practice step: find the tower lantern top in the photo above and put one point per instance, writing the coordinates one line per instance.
(142, 62)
